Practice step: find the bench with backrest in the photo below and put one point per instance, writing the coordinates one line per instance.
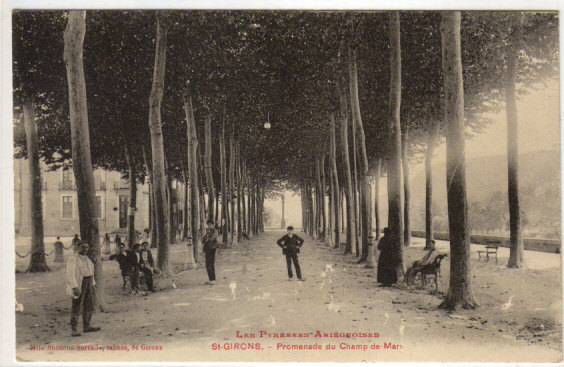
(433, 269)
(490, 249)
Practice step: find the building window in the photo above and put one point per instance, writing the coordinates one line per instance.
(66, 181)
(99, 213)
(67, 207)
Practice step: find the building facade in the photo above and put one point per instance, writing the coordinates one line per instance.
(60, 204)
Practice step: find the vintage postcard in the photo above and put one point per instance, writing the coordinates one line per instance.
(194, 185)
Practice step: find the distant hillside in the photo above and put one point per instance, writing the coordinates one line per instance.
(487, 187)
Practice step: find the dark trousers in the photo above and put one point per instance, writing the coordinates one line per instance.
(210, 264)
(289, 259)
(148, 278)
(134, 278)
(86, 300)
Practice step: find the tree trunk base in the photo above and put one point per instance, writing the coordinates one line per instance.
(165, 271)
(452, 303)
(38, 264)
(515, 264)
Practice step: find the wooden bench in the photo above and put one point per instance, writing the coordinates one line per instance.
(489, 250)
(433, 269)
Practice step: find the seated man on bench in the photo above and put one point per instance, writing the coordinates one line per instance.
(429, 258)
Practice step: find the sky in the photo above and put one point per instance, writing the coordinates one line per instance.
(539, 129)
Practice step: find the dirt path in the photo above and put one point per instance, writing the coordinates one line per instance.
(253, 296)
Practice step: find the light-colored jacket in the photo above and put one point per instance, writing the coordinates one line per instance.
(74, 275)
(429, 257)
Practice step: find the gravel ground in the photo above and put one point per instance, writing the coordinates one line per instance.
(241, 318)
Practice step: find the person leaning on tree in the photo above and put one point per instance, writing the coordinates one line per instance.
(290, 244)
(210, 246)
(80, 286)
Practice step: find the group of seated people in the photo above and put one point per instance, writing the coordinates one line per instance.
(135, 263)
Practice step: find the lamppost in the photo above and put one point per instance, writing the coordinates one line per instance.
(267, 123)
(283, 223)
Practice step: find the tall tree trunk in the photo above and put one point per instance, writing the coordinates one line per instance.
(132, 195)
(318, 197)
(187, 217)
(351, 210)
(157, 149)
(356, 193)
(262, 195)
(194, 174)
(460, 288)
(152, 218)
(310, 208)
(239, 193)
(208, 166)
(366, 191)
(330, 229)
(80, 137)
(202, 201)
(335, 179)
(224, 196)
(377, 173)
(171, 213)
(431, 141)
(395, 215)
(232, 187)
(217, 220)
(342, 207)
(406, 193)
(322, 198)
(516, 249)
(251, 201)
(245, 187)
(249, 206)
(37, 263)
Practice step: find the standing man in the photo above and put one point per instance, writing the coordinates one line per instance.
(80, 286)
(147, 265)
(290, 245)
(210, 245)
(122, 257)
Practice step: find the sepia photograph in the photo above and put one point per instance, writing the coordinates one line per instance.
(215, 185)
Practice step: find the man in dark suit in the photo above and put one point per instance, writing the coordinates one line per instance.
(290, 244)
(122, 257)
(210, 246)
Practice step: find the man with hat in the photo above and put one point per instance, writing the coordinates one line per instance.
(290, 244)
(430, 255)
(122, 258)
(80, 286)
(210, 246)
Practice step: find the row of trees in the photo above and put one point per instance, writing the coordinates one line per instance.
(342, 110)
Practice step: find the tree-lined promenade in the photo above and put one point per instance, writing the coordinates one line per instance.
(338, 297)
(347, 97)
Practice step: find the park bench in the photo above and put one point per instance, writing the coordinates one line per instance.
(490, 249)
(433, 269)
